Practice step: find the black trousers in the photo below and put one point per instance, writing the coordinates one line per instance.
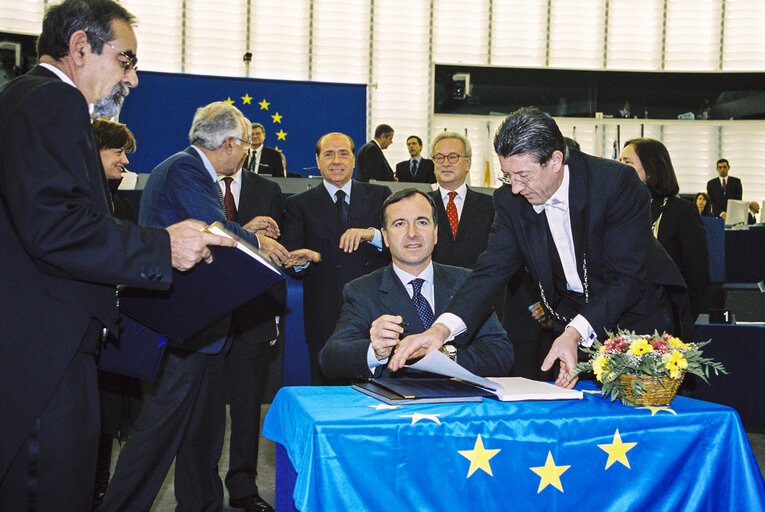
(183, 417)
(55, 468)
(246, 365)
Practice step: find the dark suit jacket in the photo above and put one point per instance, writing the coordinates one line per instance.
(472, 231)
(270, 163)
(425, 171)
(371, 164)
(610, 221)
(310, 221)
(683, 236)
(181, 188)
(488, 353)
(63, 252)
(254, 321)
(719, 200)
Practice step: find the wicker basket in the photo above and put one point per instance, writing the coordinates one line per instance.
(658, 391)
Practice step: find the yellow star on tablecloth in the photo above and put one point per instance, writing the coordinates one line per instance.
(550, 474)
(479, 457)
(229, 101)
(281, 135)
(382, 407)
(591, 391)
(277, 118)
(417, 417)
(264, 104)
(247, 99)
(617, 450)
(656, 408)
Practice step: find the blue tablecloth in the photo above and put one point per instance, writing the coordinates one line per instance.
(351, 452)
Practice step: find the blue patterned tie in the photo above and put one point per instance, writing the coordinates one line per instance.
(421, 303)
(342, 208)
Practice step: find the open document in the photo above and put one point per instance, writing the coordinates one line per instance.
(463, 386)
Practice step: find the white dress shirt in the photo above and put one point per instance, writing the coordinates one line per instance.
(236, 186)
(459, 199)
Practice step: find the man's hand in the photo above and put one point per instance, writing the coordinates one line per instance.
(539, 314)
(384, 334)
(564, 348)
(263, 225)
(418, 345)
(188, 243)
(273, 249)
(353, 237)
(300, 257)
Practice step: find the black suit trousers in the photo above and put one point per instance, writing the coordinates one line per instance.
(246, 366)
(184, 408)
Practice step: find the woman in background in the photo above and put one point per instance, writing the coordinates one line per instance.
(676, 223)
(120, 396)
(702, 203)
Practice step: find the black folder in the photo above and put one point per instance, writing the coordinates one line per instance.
(136, 353)
(204, 294)
(397, 391)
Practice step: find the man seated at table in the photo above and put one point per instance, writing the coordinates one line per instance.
(386, 305)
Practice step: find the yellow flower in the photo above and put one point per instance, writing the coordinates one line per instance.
(678, 343)
(639, 347)
(674, 362)
(599, 367)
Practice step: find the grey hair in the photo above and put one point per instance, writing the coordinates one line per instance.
(214, 123)
(451, 135)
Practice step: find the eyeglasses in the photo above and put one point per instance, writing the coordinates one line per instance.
(243, 141)
(131, 63)
(453, 158)
(520, 179)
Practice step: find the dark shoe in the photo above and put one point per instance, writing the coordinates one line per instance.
(251, 503)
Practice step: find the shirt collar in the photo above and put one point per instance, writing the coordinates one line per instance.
(418, 160)
(208, 165)
(332, 189)
(559, 199)
(236, 176)
(461, 192)
(405, 276)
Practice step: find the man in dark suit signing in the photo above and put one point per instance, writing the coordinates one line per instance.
(582, 227)
(370, 161)
(417, 169)
(262, 159)
(403, 298)
(64, 254)
(722, 188)
(335, 229)
(183, 415)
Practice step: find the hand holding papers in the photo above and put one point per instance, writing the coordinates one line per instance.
(463, 387)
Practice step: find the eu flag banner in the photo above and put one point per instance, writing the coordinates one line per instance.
(352, 452)
(295, 114)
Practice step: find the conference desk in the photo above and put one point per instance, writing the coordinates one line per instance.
(341, 450)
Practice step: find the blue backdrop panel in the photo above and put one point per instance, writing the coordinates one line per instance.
(295, 114)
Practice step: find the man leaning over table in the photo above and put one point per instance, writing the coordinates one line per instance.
(404, 297)
(581, 225)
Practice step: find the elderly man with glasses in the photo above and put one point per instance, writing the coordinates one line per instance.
(581, 226)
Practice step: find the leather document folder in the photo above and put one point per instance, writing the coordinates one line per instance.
(204, 294)
(421, 390)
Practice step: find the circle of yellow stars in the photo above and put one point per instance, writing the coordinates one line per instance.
(276, 117)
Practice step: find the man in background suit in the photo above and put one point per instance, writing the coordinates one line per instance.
(417, 169)
(722, 188)
(378, 306)
(372, 164)
(581, 225)
(334, 228)
(254, 332)
(262, 159)
(63, 255)
(183, 414)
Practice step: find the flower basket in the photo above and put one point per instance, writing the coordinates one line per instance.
(657, 391)
(643, 369)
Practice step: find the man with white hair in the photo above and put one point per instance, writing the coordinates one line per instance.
(183, 414)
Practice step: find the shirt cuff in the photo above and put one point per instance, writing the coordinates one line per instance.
(372, 360)
(376, 239)
(453, 323)
(585, 330)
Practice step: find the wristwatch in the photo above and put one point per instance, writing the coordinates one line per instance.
(449, 350)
